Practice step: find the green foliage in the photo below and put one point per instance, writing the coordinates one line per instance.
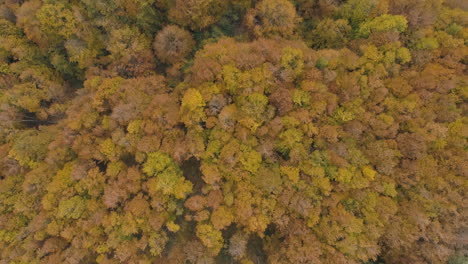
(72, 208)
(29, 148)
(165, 176)
(170, 182)
(301, 98)
(231, 77)
(289, 139)
(57, 19)
(403, 55)
(357, 11)
(322, 63)
(27, 96)
(427, 43)
(250, 159)
(254, 105)
(384, 23)
(210, 237)
(330, 34)
(458, 260)
(292, 59)
(156, 163)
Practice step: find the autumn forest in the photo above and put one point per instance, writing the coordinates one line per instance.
(233, 131)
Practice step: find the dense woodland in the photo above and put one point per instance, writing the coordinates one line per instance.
(233, 131)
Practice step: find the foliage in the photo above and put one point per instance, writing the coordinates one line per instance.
(197, 14)
(384, 23)
(172, 44)
(330, 34)
(203, 131)
(272, 17)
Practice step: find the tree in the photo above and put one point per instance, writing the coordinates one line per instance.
(30, 147)
(383, 23)
(191, 110)
(57, 19)
(419, 14)
(196, 14)
(358, 11)
(173, 44)
(210, 237)
(272, 17)
(72, 208)
(238, 245)
(221, 218)
(245, 150)
(330, 34)
(165, 176)
(411, 145)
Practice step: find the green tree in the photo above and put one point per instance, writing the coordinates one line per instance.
(384, 23)
(330, 34)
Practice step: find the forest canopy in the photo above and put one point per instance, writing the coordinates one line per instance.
(236, 131)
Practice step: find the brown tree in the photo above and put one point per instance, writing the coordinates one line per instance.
(173, 44)
(197, 14)
(272, 17)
